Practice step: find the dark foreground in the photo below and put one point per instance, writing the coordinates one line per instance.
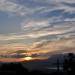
(18, 68)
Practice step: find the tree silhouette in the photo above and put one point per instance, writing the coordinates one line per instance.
(69, 64)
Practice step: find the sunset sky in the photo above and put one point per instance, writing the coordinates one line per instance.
(37, 28)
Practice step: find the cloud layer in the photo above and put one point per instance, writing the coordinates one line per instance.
(45, 25)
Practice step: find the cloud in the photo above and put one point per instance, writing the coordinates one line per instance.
(46, 25)
(34, 24)
(63, 45)
(12, 36)
(35, 55)
(69, 19)
(47, 1)
(41, 6)
(11, 7)
(13, 47)
(44, 28)
(69, 4)
(21, 51)
(61, 9)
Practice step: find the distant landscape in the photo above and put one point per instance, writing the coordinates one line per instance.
(59, 64)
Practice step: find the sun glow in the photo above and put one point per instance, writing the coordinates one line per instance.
(28, 58)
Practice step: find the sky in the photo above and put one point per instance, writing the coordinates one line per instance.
(36, 28)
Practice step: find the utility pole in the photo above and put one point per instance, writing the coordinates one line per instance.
(58, 65)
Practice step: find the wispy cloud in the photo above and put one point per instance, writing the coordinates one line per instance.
(12, 7)
(59, 46)
(43, 28)
(46, 25)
